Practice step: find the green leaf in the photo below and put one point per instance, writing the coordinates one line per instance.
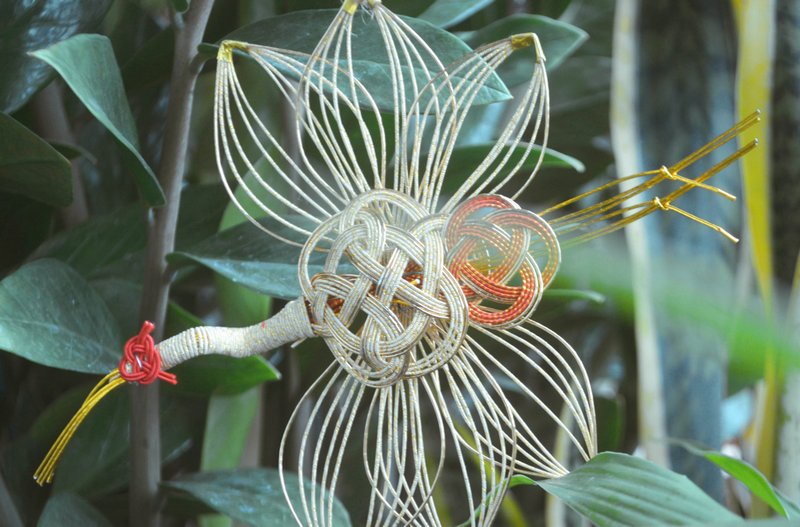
(222, 375)
(465, 159)
(228, 422)
(123, 297)
(241, 306)
(72, 151)
(610, 410)
(775, 522)
(66, 509)
(253, 496)
(446, 13)
(250, 257)
(98, 243)
(31, 167)
(559, 40)
(51, 316)
(301, 30)
(752, 478)
(112, 245)
(33, 25)
(618, 489)
(87, 64)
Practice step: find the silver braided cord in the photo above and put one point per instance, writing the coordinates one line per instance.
(408, 271)
(383, 234)
(287, 326)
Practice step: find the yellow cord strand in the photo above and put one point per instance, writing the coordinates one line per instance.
(612, 208)
(44, 474)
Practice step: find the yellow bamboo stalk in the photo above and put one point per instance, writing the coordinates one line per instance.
(756, 24)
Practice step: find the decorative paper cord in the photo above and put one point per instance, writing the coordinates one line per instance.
(425, 299)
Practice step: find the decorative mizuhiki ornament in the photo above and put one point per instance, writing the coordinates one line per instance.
(425, 299)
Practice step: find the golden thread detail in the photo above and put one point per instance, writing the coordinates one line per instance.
(44, 474)
(227, 47)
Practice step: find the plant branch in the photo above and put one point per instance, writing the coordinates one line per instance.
(52, 123)
(145, 445)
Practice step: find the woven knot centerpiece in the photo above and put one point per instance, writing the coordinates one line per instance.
(494, 250)
(400, 285)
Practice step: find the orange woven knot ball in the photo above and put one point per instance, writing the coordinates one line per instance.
(503, 257)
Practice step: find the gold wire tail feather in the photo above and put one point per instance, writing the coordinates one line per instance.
(613, 214)
(44, 474)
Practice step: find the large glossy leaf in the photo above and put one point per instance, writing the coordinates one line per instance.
(31, 167)
(751, 477)
(618, 489)
(223, 375)
(466, 159)
(240, 305)
(252, 496)
(112, 245)
(87, 64)
(26, 26)
(446, 13)
(300, 31)
(50, 315)
(248, 256)
(99, 242)
(559, 40)
(66, 509)
(123, 297)
(775, 522)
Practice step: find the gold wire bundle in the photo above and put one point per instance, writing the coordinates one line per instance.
(44, 473)
(614, 213)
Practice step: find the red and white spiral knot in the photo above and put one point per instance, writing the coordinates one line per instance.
(495, 250)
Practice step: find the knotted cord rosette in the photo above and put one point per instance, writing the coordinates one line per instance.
(141, 361)
(420, 278)
(493, 232)
(402, 314)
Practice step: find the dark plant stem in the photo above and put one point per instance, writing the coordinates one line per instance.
(8, 511)
(52, 123)
(145, 445)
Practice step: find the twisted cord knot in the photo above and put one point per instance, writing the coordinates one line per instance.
(141, 361)
(492, 243)
(399, 286)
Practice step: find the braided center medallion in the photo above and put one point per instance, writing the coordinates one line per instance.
(385, 302)
(400, 286)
